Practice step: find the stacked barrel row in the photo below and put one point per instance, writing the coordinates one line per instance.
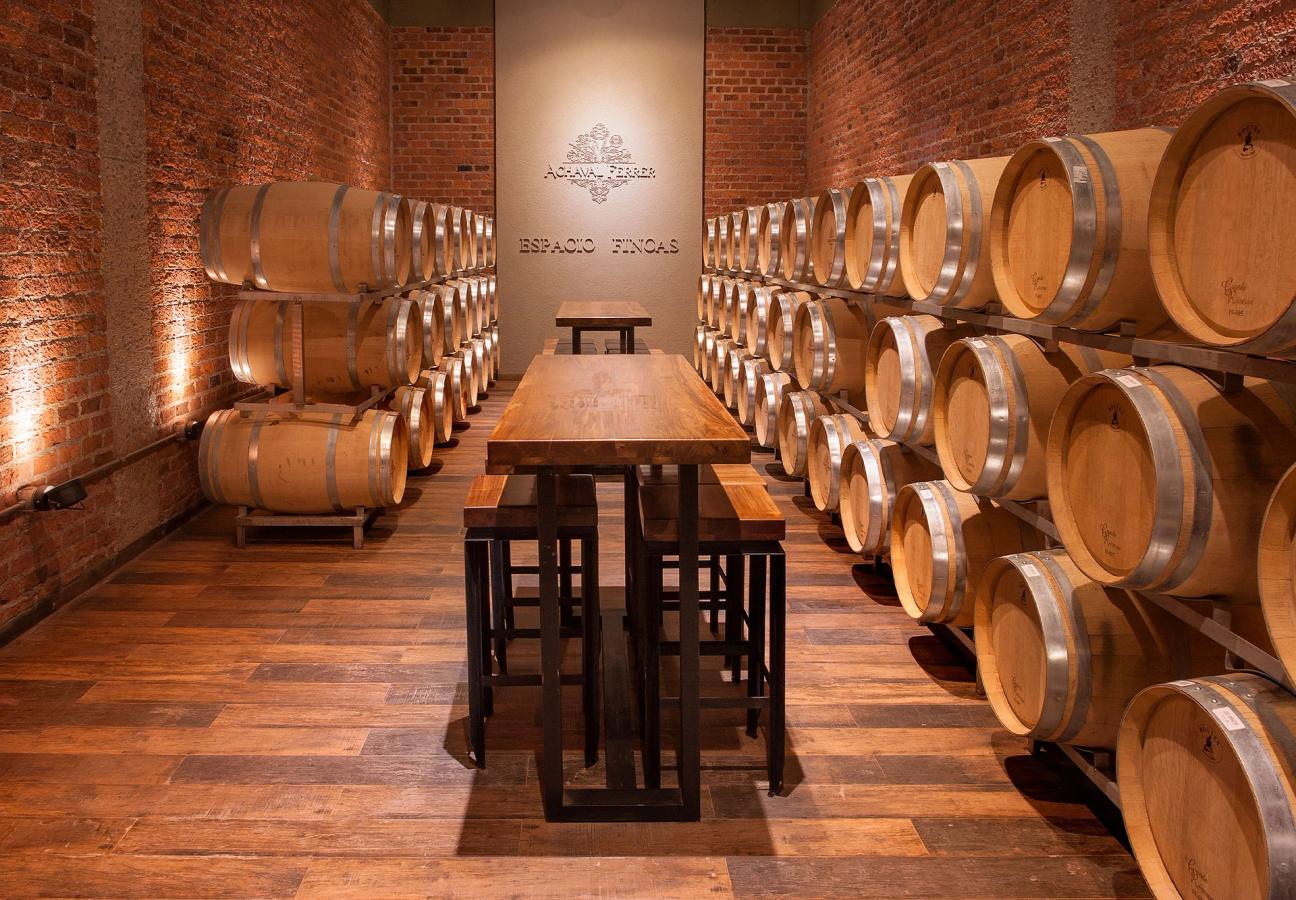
(426, 346)
(1160, 479)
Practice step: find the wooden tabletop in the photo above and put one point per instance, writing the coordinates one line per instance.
(614, 410)
(601, 314)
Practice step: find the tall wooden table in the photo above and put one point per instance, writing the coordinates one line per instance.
(571, 413)
(621, 316)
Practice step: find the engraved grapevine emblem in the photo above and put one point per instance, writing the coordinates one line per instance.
(597, 154)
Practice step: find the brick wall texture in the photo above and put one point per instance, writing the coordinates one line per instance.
(894, 85)
(443, 114)
(246, 90)
(756, 116)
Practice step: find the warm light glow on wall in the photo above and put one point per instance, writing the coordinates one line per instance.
(28, 400)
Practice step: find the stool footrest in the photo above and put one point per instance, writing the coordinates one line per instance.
(532, 680)
(709, 648)
(724, 702)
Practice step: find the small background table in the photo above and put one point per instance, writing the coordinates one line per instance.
(598, 411)
(621, 316)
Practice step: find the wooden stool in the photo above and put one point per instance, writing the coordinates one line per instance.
(740, 522)
(501, 509)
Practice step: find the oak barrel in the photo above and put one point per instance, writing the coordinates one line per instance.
(724, 226)
(733, 374)
(291, 463)
(749, 385)
(794, 240)
(1220, 236)
(467, 241)
(1158, 481)
(699, 347)
(1207, 776)
(452, 317)
(1068, 231)
(780, 334)
(900, 363)
(941, 542)
(432, 319)
(709, 234)
(769, 399)
(797, 412)
(306, 236)
(759, 299)
(736, 310)
(349, 346)
(437, 385)
(720, 364)
(708, 354)
(829, 337)
(458, 385)
(735, 240)
(828, 237)
(1277, 570)
(442, 240)
(471, 379)
(872, 470)
(769, 232)
(489, 256)
(872, 246)
(479, 241)
(703, 292)
(830, 435)
(944, 240)
(1061, 655)
(414, 404)
(422, 261)
(994, 399)
(748, 222)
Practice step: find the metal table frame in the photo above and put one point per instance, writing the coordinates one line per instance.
(626, 332)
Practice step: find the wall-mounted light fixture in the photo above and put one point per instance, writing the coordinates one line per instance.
(44, 497)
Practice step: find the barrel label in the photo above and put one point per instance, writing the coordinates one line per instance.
(1029, 570)
(1274, 83)
(1183, 683)
(1228, 718)
(1129, 381)
(1111, 546)
(1080, 174)
(1235, 296)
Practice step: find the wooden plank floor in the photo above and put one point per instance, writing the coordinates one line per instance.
(289, 720)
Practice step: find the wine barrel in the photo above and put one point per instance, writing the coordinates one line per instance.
(489, 241)
(736, 311)
(481, 359)
(422, 261)
(899, 375)
(1207, 777)
(414, 404)
(703, 292)
(994, 399)
(941, 542)
(944, 245)
(735, 241)
(1277, 574)
(757, 319)
(708, 354)
(452, 317)
(432, 319)
(1061, 655)
(442, 250)
(828, 344)
(828, 237)
(479, 241)
(492, 292)
(436, 384)
(349, 346)
(467, 309)
(710, 231)
(797, 412)
(749, 384)
(769, 399)
(471, 379)
(699, 346)
(713, 301)
(1159, 481)
(780, 331)
(488, 357)
(722, 242)
(748, 221)
(720, 364)
(458, 385)
(306, 236)
(830, 435)
(1220, 241)
(794, 240)
(467, 241)
(1068, 231)
(872, 471)
(292, 463)
(496, 352)
(734, 360)
(872, 247)
(768, 239)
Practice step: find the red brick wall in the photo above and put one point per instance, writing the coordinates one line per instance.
(756, 116)
(895, 85)
(1172, 54)
(443, 114)
(233, 92)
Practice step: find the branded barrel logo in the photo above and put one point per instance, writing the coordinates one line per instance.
(1248, 134)
(598, 161)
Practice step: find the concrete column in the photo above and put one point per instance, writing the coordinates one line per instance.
(1092, 78)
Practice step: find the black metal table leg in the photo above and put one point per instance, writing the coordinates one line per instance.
(499, 602)
(689, 760)
(628, 338)
(473, 593)
(778, 670)
(576, 340)
(551, 771)
(591, 625)
(756, 639)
